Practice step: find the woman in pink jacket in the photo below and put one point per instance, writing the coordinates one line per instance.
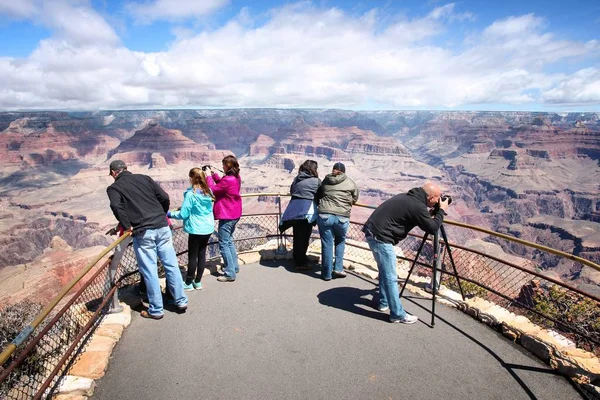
(228, 210)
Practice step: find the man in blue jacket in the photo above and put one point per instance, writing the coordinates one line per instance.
(140, 205)
(390, 223)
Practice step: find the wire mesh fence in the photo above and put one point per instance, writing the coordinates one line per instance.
(35, 370)
(519, 278)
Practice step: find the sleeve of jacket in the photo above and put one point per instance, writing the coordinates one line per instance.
(117, 205)
(212, 181)
(186, 208)
(161, 195)
(320, 192)
(220, 188)
(355, 194)
(428, 223)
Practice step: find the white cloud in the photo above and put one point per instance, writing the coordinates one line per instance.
(18, 8)
(583, 87)
(302, 56)
(78, 23)
(169, 10)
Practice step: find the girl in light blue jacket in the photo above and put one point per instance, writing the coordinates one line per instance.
(199, 223)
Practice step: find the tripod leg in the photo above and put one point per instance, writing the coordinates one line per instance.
(414, 263)
(452, 261)
(434, 272)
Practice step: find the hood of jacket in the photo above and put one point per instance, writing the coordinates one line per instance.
(334, 179)
(302, 175)
(418, 193)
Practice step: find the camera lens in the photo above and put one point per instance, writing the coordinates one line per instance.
(447, 197)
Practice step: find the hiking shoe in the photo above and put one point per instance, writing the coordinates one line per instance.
(197, 285)
(188, 287)
(225, 279)
(146, 314)
(182, 308)
(383, 308)
(409, 319)
(338, 274)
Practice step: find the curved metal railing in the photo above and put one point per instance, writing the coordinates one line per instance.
(44, 351)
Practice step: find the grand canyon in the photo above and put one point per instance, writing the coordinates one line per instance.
(531, 175)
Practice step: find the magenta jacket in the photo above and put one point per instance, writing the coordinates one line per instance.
(228, 204)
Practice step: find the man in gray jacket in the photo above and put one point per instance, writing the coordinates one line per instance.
(336, 196)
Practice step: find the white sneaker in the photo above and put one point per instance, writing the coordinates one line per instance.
(383, 308)
(409, 319)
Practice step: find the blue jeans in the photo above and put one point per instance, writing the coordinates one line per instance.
(332, 229)
(388, 277)
(227, 247)
(147, 247)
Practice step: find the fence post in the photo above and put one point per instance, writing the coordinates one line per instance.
(115, 306)
(280, 240)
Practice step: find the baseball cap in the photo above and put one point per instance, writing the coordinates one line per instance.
(339, 166)
(117, 165)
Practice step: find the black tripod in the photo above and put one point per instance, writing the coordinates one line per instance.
(436, 267)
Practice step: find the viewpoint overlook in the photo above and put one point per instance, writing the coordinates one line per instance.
(534, 176)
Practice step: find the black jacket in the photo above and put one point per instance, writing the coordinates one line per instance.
(395, 217)
(138, 201)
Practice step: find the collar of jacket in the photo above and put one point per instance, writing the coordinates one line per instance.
(122, 174)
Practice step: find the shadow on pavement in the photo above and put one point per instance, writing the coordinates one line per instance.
(351, 299)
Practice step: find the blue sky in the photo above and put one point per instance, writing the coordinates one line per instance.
(479, 55)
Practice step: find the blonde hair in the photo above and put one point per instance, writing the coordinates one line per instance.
(198, 179)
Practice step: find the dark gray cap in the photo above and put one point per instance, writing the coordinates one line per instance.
(117, 165)
(339, 166)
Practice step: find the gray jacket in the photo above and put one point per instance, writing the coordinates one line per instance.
(305, 186)
(337, 194)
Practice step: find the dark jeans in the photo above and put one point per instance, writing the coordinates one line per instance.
(196, 257)
(302, 230)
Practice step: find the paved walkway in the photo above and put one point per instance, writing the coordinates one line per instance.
(277, 334)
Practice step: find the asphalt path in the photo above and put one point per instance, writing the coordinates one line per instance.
(279, 334)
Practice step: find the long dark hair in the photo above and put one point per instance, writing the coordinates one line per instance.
(233, 168)
(310, 167)
(198, 179)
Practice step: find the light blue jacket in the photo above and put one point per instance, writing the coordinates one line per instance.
(196, 213)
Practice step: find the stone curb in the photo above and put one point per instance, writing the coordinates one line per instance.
(93, 361)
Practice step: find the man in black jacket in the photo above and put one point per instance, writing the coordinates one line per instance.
(140, 205)
(390, 223)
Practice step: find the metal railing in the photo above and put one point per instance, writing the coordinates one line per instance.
(517, 277)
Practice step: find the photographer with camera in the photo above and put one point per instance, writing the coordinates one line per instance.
(228, 210)
(390, 223)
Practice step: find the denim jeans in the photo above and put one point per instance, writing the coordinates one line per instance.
(385, 256)
(227, 247)
(147, 247)
(332, 229)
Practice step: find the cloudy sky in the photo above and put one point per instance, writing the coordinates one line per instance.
(395, 54)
